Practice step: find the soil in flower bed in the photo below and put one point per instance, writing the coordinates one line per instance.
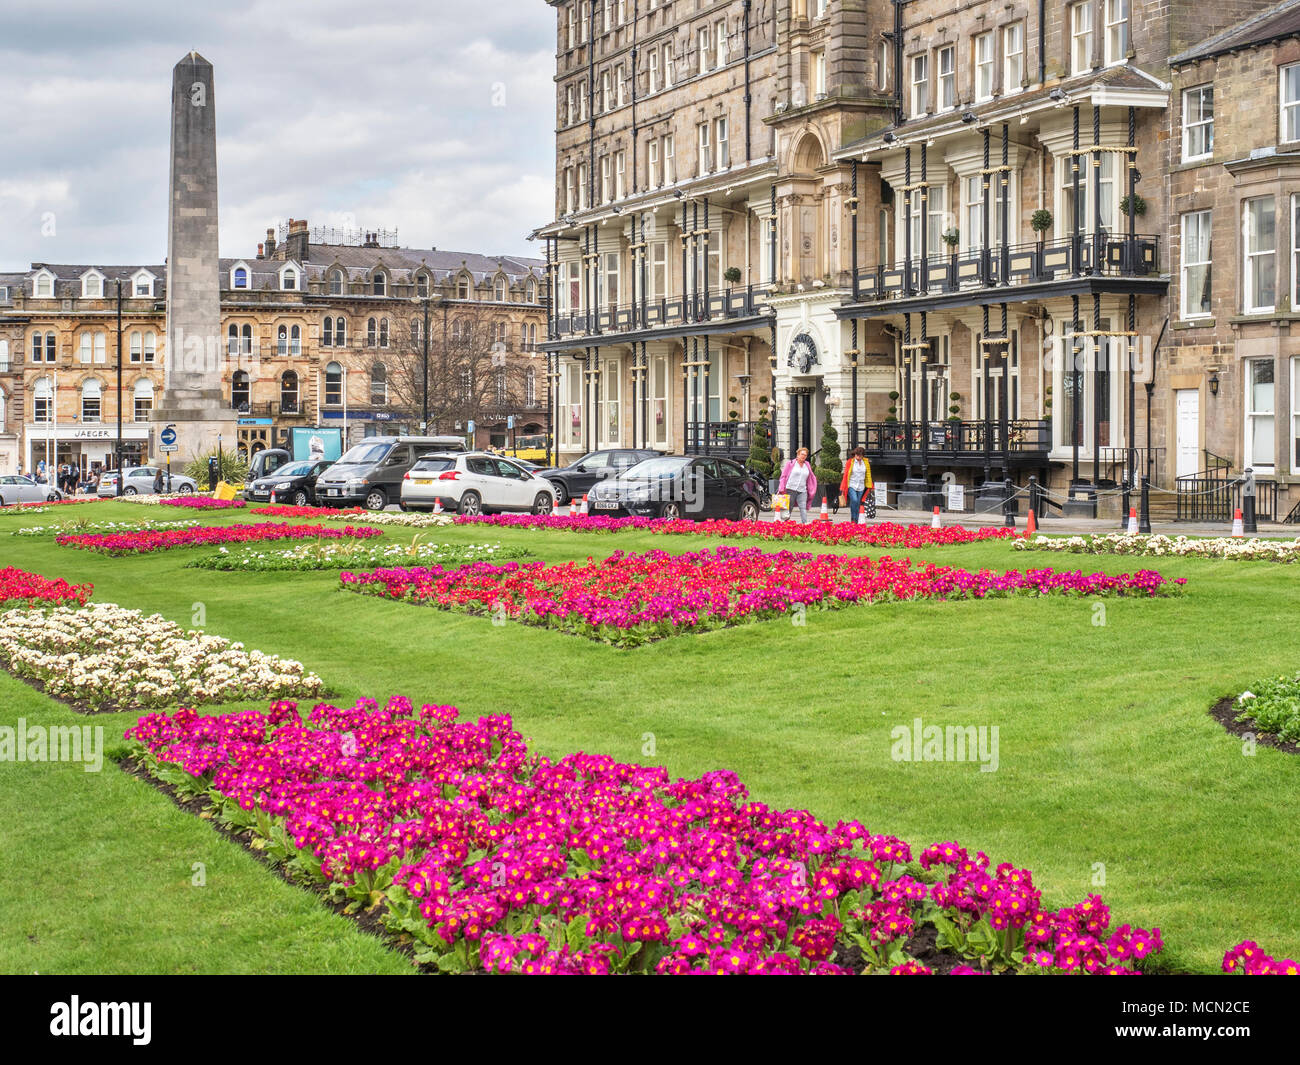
(630, 599)
(1225, 712)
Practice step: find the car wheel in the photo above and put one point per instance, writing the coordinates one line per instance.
(748, 511)
(561, 493)
(128, 491)
(471, 503)
(402, 506)
(670, 510)
(542, 503)
(376, 500)
(53, 497)
(300, 498)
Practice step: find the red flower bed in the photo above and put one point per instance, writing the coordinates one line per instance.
(630, 598)
(883, 534)
(282, 510)
(202, 503)
(55, 503)
(142, 540)
(19, 588)
(494, 858)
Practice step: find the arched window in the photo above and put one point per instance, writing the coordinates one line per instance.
(378, 284)
(501, 290)
(43, 347)
(43, 287)
(295, 340)
(370, 332)
(143, 400)
(247, 340)
(239, 390)
(532, 292)
(459, 330)
(232, 340)
(340, 332)
(530, 387)
(327, 334)
(383, 332)
(92, 286)
(378, 384)
(336, 282)
(416, 336)
(288, 392)
(289, 280)
(137, 346)
(462, 289)
(282, 340)
(42, 401)
(333, 384)
(422, 285)
(241, 277)
(150, 346)
(91, 394)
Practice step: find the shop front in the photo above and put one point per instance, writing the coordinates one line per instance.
(89, 447)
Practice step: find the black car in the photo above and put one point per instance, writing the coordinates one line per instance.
(574, 481)
(681, 486)
(293, 482)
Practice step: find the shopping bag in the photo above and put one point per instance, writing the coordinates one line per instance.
(781, 501)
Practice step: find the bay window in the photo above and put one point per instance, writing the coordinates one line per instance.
(1259, 244)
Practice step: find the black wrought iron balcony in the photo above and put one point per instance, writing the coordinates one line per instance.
(1091, 254)
(958, 442)
(730, 439)
(717, 304)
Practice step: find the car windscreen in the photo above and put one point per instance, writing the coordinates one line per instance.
(650, 469)
(437, 465)
(364, 454)
(296, 469)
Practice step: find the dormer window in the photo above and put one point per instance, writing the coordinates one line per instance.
(142, 284)
(422, 285)
(92, 285)
(532, 292)
(289, 279)
(239, 276)
(379, 285)
(500, 292)
(336, 282)
(462, 289)
(43, 285)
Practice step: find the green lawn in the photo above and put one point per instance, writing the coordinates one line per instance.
(1107, 755)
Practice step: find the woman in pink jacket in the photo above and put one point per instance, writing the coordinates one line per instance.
(799, 482)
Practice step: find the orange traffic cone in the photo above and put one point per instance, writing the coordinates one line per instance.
(1132, 521)
(825, 515)
(1031, 526)
(1237, 528)
(862, 516)
(573, 509)
(935, 523)
(555, 506)
(585, 509)
(437, 506)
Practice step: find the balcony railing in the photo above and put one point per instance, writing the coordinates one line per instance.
(730, 439)
(950, 438)
(717, 304)
(1100, 254)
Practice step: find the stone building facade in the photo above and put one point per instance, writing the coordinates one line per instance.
(311, 334)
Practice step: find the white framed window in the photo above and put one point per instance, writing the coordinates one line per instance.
(1079, 414)
(606, 179)
(667, 56)
(764, 251)
(92, 286)
(920, 84)
(884, 65)
(43, 285)
(1116, 31)
(658, 270)
(143, 400)
(669, 161)
(1196, 270)
(1289, 109)
(720, 43)
(882, 236)
(606, 91)
(607, 15)
(652, 71)
(1198, 122)
(584, 88)
(1259, 244)
(327, 333)
(937, 221)
(239, 276)
(1081, 37)
(582, 199)
(570, 191)
(91, 397)
(333, 384)
(817, 70)
(705, 153)
(92, 348)
(973, 193)
(379, 284)
(1013, 57)
(721, 145)
(610, 278)
(660, 398)
(611, 400)
(983, 56)
(499, 290)
(1109, 200)
(142, 284)
(336, 282)
(947, 58)
(1295, 415)
(288, 279)
(1295, 249)
(43, 401)
(340, 332)
(702, 39)
(573, 23)
(653, 175)
(1260, 414)
(620, 175)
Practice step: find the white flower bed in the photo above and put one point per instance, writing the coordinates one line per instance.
(381, 517)
(104, 655)
(1218, 547)
(340, 554)
(100, 526)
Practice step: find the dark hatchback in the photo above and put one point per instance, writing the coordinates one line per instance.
(294, 482)
(681, 486)
(575, 481)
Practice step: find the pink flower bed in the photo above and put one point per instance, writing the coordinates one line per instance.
(884, 534)
(20, 588)
(493, 858)
(56, 503)
(143, 540)
(202, 503)
(282, 510)
(1249, 959)
(630, 598)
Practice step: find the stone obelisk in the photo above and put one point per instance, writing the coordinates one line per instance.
(193, 396)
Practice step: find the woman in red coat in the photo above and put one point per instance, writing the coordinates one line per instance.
(856, 483)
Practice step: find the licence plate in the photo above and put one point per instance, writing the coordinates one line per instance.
(421, 480)
(333, 491)
(602, 504)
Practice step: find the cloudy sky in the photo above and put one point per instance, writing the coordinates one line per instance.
(432, 118)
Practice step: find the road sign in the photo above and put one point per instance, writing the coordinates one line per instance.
(167, 441)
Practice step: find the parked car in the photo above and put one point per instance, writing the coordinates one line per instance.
(681, 486)
(294, 482)
(370, 473)
(139, 481)
(15, 488)
(474, 483)
(576, 480)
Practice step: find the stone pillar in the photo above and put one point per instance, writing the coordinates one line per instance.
(193, 398)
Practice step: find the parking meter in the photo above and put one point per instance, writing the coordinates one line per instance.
(212, 473)
(1248, 521)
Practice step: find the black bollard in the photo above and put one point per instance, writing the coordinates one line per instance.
(1008, 505)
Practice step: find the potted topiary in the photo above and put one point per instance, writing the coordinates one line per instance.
(1139, 205)
(1040, 222)
(954, 409)
(731, 275)
(760, 450)
(829, 466)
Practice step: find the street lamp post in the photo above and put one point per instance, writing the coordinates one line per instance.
(119, 388)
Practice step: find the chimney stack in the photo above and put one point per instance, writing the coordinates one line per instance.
(295, 245)
(270, 243)
(260, 253)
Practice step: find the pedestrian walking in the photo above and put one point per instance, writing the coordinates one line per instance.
(857, 486)
(799, 482)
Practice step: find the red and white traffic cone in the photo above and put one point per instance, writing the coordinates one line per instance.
(555, 507)
(1238, 529)
(935, 523)
(573, 508)
(1031, 526)
(437, 505)
(825, 515)
(1132, 521)
(585, 509)
(862, 516)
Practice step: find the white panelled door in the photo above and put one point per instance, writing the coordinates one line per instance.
(1187, 403)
